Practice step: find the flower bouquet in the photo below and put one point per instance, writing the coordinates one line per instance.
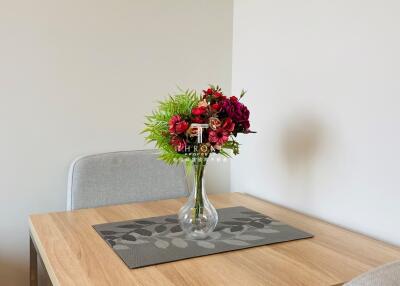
(188, 127)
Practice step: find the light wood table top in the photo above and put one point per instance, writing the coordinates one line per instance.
(74, 254)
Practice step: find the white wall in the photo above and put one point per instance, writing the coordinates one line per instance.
(77, 77)
(323, 87)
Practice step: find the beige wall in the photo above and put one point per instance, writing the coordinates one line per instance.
(323, 85)
(77, 77)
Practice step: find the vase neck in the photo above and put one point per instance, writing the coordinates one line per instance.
(199, 194)
(199, 162)
(198, 168)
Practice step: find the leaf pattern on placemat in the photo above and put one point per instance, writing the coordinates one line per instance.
(161, 243)
(236, 228)
(132, 225)
(238, 231)
(179, 242)
(160, 228)
(156, 240)
(256, 224)
(128, 237)
(143, 232)
(205, 244)
(176, 228)
(145, 222)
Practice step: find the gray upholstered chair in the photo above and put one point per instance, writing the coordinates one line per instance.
(123, 177)
(386, 275)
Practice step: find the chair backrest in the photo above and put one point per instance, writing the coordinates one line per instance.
(123, 177)
(386, 275)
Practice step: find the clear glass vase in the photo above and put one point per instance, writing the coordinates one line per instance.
(198, 216)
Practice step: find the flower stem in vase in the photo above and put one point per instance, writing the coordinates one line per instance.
(198, 173)
(198, 217)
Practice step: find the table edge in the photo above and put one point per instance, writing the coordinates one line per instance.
(41, 252)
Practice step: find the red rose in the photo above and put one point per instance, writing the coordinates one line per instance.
(172, 122)
(207, 92)
(217, 94)
(228, 125)
(216, 106)
(177, 125)
(233, 98)
(181, 127)
(178, 143)
(199, 110)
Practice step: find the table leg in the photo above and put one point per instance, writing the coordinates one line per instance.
(33, 267)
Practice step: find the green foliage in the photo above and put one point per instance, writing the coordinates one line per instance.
(157, 123)
(242, 93)
(231, 145)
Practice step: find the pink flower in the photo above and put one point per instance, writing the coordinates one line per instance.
(219, 136)
(177, 125)
(214, 123)
(178, 143)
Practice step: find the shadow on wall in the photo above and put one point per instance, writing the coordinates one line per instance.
(302, 139)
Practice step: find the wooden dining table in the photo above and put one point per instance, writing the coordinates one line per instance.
(74, 254)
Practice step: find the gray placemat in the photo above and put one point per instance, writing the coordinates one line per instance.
(157, 240)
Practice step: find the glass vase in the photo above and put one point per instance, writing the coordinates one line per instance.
(198, 216)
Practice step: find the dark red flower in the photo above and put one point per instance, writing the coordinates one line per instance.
(246, 126)
(238, 112)
(198, 119)
(177, 125)
(228, 125)
(233, 98)
(216, 106)
(207, 92)
(178, 143)
(181, 127)
(199, 110)
(219, 136)
(217, 94)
